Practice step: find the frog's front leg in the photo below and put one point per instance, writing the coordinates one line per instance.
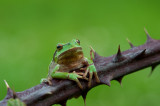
(65, 75)
(53, 67)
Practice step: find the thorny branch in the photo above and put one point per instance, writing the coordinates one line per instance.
(109, 68)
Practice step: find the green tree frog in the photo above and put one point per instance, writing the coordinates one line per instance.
(67, 58)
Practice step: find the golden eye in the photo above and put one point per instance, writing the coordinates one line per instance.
(59, 46)
(78, 41)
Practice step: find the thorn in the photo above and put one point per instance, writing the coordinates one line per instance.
(148, 36)
(14, 94)
(120, 80)
(143, 52)
(84, 94)
(10, 93)
(6, 84)
(49, 93)
(107, 82)
(132, 46)
(64, 103)
(119, 51)
(149, 39)
(139, 55)
(92, 49)
(152, 69)
(119, 57)
(96, 57)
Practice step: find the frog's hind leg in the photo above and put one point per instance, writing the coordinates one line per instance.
(92, 68)
(90, 79)
(92, 51)
(92, 71)
(96, 77)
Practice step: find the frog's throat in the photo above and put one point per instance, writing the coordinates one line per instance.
(75, 53)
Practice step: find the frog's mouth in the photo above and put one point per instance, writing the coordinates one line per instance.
(71, 55)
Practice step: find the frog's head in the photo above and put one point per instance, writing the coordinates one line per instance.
(69, 51)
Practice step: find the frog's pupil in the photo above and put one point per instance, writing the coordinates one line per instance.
(59, 47)
(78, 41)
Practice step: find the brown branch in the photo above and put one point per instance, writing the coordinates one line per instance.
(108, 68)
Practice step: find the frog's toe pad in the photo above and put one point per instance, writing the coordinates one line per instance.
(44, 80)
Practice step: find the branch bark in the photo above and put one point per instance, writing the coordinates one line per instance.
(110, 68)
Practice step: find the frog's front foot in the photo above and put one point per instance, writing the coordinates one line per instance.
(82, 75)
(74, 76)
(92, 71)
(46, 80)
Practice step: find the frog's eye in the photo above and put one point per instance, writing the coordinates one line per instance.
(78, 41)
(59, 46)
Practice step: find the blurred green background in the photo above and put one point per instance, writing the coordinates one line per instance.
(30, 30)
